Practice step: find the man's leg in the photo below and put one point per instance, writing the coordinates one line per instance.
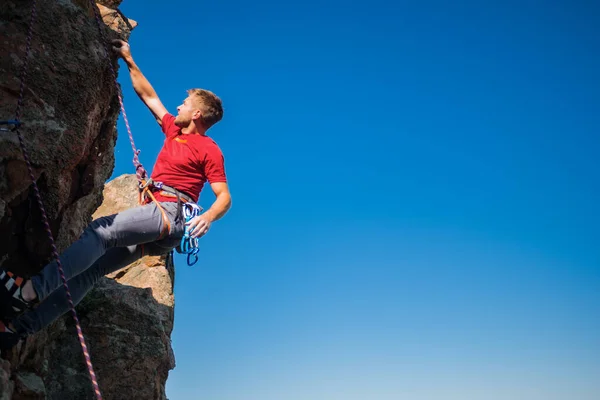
(56, 304)
(131, 227)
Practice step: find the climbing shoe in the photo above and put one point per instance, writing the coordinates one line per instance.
(12, 303)
(8, 338)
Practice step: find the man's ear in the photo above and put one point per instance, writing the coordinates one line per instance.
(197, 114)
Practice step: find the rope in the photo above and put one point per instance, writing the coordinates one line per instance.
(41, 205)
(139, 168)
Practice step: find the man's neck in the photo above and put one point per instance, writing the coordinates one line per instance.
(193, 129)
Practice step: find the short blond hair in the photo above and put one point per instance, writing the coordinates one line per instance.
(211, 105)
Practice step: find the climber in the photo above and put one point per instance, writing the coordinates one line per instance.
(188, 159)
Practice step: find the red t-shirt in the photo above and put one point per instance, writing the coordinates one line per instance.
(187, 162)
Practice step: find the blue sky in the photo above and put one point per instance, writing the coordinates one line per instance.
(415, 198)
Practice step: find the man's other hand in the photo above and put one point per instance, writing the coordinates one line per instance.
(122, 48)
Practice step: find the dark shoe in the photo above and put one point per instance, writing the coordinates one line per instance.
(8, 338)
(12, 303)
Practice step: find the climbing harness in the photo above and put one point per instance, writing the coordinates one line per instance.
(15, 125)
(189, 245)
(16, 122)
(184, 202)
(187, 208)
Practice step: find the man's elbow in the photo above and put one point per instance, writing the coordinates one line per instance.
(220, 207)
(223, 198)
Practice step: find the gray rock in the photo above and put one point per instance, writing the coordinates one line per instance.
(29, 387)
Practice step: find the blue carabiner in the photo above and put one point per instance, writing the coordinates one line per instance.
(189, 257)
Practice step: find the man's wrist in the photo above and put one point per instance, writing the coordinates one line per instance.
(129, 61)
(209, 216)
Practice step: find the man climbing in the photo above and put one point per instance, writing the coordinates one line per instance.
(188, 159)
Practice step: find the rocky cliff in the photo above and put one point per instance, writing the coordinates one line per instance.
(69, 115)
(69, 119)
(127, 321)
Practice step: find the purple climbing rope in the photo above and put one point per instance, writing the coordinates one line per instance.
(139, 168)
(41, 205)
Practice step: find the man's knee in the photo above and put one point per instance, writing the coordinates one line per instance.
(99, 229)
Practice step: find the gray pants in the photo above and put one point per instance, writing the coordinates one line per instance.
(109, 243)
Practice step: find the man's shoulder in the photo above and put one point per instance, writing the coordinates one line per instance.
(168, 118)
(209, 143)
(168, 125)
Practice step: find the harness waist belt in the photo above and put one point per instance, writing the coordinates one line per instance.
(159, 186)
(173, 191)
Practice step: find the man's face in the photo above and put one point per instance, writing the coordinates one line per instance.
(186, 113)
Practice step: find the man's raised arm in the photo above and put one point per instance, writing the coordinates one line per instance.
(140, 84)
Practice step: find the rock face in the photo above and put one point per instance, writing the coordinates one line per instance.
(69, 115)
(127, 320)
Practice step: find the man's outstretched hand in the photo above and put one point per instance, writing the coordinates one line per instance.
(122, 48)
